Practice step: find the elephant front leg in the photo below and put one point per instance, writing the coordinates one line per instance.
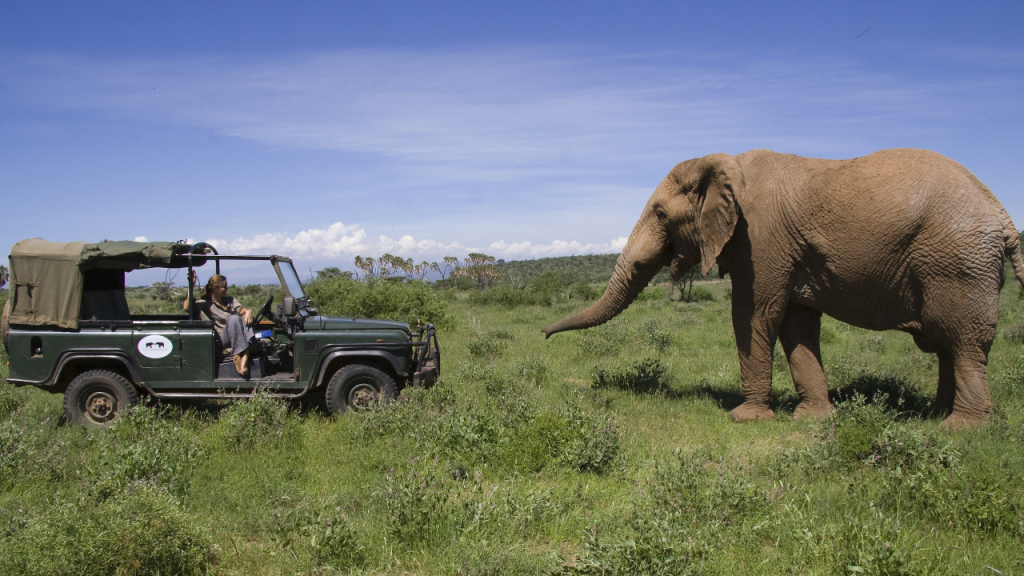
(800, 335)
(755, 341)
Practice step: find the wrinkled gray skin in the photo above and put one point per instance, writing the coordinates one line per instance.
(899, 240)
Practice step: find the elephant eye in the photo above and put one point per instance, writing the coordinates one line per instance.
(661, 215)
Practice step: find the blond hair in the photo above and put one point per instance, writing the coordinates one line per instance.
(215, 280)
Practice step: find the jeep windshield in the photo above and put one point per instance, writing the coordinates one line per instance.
(290, 278)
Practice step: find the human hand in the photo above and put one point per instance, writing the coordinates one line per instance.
(247, 317)
(193, 278)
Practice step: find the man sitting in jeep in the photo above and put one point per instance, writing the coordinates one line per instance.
(231, 320)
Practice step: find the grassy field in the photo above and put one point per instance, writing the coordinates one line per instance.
(605, 451)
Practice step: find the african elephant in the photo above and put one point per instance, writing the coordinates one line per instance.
(898, 240)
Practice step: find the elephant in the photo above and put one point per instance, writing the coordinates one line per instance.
(902, 239)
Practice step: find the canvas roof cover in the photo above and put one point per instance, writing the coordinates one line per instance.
(46, 277)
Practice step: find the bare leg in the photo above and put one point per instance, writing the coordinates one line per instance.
(800, 334)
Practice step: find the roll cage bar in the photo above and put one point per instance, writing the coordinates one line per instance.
(202, 256)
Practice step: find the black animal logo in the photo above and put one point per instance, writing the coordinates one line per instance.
(158, 344)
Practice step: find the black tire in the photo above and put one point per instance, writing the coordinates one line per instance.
(359, 387)
(96, 397)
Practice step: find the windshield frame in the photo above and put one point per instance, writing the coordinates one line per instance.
(284, 268)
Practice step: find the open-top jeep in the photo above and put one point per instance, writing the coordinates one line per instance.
(67, 329)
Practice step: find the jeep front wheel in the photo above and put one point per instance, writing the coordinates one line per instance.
(96, 397)
(359, 387)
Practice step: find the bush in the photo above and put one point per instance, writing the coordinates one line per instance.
(33, 451)
(487, 348)
(533, 370)
(643, 377)
(142, 445)
(851, 430)
(261, 420)
(588, 442)
(140, 530)
(1015, 333)
(697, 294)
(652, 546)
(410, 301)
(693, 488)
(652, 335)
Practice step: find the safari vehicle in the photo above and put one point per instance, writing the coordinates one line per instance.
(67, 329)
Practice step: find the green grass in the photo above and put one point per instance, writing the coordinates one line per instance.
(605, 451)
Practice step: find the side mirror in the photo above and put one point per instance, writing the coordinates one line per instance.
(288, 306)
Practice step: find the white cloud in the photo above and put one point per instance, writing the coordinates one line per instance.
(141, 239)
(340, 243)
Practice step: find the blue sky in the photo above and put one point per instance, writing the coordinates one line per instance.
(528, 129)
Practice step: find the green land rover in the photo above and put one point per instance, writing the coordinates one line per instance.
(67, 329)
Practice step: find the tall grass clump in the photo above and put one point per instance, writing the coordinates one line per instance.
(141, 529)
(317, 528)
(411, 302)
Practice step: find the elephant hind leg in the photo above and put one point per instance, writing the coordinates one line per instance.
(972, 404)
(800, 335)
(946, 393)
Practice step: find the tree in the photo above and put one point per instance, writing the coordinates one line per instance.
(481, 268)
(332, 272)
(685, 283)
(4, 276)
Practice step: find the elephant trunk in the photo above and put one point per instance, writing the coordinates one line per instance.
(631, 276)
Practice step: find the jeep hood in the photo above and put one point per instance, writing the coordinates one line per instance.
(348, 323)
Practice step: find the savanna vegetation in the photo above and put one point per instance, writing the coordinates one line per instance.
(604, 451)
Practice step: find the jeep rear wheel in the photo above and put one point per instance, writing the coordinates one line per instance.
(96, 397)
(359, 387)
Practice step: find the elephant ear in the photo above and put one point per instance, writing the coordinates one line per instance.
(720, 181)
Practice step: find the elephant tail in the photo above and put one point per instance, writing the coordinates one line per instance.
(1013, 247)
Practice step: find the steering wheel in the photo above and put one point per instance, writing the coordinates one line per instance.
(262, 311)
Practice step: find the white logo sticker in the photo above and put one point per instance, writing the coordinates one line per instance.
(155, 346)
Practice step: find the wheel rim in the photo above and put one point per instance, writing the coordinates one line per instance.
(363, 395)
(100, 406)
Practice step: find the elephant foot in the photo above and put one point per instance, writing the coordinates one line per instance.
(957, 421)
(812, 410)
(748, 411)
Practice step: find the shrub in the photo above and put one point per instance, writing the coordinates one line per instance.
(875, 545)
(897, 393)
(698, 294)
(261, 420)
(420, 504)
(589, 442)
(850, 431)
(600, 341)
(142, 445)
(487, 348)
(652, 334)
(317, 527)
(643, 377)
(408, 302)
(1015, 333)
(693, 488)
(140, 530)
(33, 450)
(509, 297)
(653, 546)
(533, 370)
